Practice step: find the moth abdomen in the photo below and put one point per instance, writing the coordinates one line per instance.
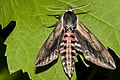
(68, 52)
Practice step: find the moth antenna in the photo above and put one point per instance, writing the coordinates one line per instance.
(68, 9)
(80, 7)
(55, 9)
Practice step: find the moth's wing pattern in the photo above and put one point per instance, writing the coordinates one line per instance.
(92, 48)
(49, 50)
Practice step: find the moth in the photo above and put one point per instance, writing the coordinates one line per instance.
(71, 37)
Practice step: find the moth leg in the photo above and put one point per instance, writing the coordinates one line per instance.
(50, 26)
(57, 16)
(54, 25)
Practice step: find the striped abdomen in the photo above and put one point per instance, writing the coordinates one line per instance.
(68, 52)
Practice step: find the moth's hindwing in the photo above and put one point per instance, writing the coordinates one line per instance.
(49, 50)
(92, 48)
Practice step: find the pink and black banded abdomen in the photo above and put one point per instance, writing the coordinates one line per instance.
(68, 52)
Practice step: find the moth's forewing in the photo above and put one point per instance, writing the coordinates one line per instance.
(92, 48)
(49, 50)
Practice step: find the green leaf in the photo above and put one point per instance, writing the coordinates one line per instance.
(30, 34)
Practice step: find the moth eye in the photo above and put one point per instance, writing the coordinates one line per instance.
(74, 27)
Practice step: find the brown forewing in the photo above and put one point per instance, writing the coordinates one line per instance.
(49, 50)
(92, 48)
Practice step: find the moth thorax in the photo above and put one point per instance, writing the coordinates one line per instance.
(69, 21)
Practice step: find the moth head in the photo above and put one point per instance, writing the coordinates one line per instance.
(69, 9)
